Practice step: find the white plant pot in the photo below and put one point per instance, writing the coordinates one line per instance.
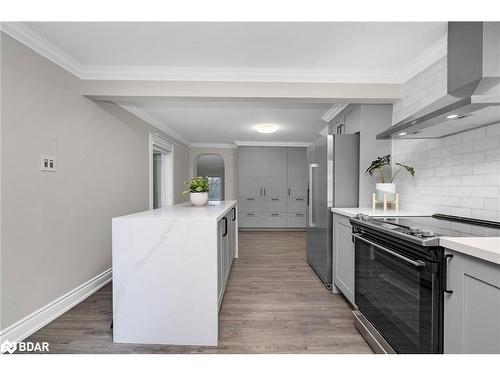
(387, 188)
(198, 199)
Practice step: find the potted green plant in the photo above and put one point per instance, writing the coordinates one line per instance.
(198, 187)
(382, 187)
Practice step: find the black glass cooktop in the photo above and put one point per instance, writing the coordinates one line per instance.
(441, 225)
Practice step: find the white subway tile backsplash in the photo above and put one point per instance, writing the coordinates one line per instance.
(473, 157)
(459, 174)
(473, 180)
(486, 144)
(471, 202)
(485, 191)
(486, 167)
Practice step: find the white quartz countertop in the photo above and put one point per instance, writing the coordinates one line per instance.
(352, 211)
(213, 210)
(486, 248)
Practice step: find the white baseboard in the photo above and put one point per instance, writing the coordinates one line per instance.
(43, 316)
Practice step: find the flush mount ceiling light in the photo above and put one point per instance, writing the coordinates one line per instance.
(266, 128)
(451, 116)
(401, 134)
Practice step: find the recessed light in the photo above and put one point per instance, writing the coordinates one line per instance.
(452, 116)
(266, 128)
(402, 133)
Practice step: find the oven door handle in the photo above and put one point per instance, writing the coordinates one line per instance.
(416, 263)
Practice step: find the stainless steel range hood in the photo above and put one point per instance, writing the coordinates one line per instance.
(473, 94)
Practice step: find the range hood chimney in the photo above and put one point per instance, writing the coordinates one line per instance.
(473, 94)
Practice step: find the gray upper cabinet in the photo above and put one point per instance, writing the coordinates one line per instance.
(251, 178)
(275, 172)
(297, 172)
(272, 187)
(472, 311)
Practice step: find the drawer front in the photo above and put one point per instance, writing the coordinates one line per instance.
(251, 220)
(296, 220)
(297, 205)
(276, 219)
(275, 204)
(246, 204)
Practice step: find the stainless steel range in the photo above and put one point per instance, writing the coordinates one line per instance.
(400, 278)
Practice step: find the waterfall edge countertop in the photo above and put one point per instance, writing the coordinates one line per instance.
(213, 210)
(167, 267)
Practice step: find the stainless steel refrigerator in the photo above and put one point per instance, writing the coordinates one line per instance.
(333, 182)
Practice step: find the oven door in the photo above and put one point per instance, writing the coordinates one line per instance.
(398, 294)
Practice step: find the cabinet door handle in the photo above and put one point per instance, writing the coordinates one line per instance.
(234, 213)
(260, 191)
(225, 227)
(264, 191)
(445, 277)
(288, 191)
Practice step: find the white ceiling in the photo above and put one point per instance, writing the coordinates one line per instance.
(364, 48)
(226, 121)
(364, 52)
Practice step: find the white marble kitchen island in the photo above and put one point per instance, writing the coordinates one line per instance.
(170, 267)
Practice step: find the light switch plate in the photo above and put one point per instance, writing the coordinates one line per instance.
(47, 163)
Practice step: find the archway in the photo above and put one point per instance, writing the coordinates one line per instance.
(212, 166)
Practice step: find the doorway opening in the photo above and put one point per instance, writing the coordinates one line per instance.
(212, 166)
(161, 172)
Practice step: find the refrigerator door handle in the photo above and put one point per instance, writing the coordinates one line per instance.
(310, 196)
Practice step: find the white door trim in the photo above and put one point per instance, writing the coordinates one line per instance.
(159, 143)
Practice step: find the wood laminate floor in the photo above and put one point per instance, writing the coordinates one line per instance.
(274, 303)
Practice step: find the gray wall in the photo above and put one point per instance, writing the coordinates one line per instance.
(56, 227)
(230, 156)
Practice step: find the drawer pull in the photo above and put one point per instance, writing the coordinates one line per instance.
(250, 199)
(275, 199)
(299, 214)
(299, 199)
(275, 214)
(250, 214)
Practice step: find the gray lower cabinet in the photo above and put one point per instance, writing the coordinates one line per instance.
(226, 250)
(343, 256)
(472, 311)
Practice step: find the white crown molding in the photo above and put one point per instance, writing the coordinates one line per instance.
(24, 35)
(42, 46)
(432, 54)
(333, 111)
(273, 144)
(153, 121)
(43, 316)
(212, 145)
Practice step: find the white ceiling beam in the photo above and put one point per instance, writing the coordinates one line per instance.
(375, 93)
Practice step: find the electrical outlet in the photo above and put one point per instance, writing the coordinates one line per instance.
(47, 163)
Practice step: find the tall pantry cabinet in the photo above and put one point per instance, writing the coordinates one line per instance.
(272, 187)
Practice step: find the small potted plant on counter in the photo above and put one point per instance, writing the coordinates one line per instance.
(389, 188)
(198, 187)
